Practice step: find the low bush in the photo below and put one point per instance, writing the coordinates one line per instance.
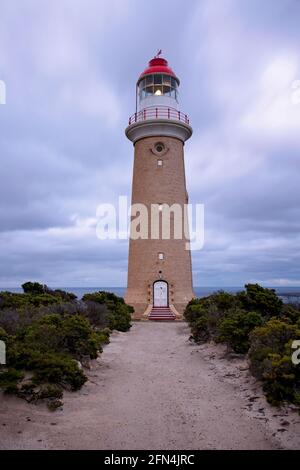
(115, 313)
(270, 360)
(262, 300)
(48, 333)
(255, 321)
(35, 295)
(9, 379)
(56, 368)
(235, 327)
(290, 314)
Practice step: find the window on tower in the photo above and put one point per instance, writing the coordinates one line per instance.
(159, 147)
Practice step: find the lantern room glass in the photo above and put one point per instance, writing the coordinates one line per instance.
(158, 85)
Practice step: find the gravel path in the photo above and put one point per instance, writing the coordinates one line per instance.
(151, 389)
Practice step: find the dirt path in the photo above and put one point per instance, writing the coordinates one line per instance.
(151, 389)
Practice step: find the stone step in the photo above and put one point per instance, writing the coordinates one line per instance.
(161, 314)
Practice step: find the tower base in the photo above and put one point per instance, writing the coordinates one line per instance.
(143, 309)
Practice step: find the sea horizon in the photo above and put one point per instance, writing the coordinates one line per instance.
(200, 291)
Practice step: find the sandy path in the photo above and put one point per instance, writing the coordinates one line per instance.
(151, 389)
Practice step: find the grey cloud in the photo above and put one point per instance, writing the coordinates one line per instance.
(70, 72)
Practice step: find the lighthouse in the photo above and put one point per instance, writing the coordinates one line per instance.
(159, 262)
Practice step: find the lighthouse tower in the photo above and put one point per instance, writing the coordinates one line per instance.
(159, 266)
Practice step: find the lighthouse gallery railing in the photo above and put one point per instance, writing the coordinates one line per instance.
(160, 112)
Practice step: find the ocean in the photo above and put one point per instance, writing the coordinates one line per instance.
(291, 294)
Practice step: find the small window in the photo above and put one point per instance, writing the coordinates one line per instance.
(159, 163)
(159, 147)
(161, 256)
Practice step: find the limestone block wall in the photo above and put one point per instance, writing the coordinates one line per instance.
(157, 182)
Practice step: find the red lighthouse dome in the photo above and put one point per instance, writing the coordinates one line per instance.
(158, 65)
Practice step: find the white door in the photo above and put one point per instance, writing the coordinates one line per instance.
(160, 294)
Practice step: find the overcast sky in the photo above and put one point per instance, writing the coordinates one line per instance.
(70, 68)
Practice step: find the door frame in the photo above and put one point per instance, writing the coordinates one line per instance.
(166, 282)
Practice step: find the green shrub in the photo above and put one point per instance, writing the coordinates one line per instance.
(63, 295)
(33, 288)
(52, 333)
(200, 329)
(56, 368)
(290, 314)
(230, 318)
(48, 347)
(225, 301)
(79, 338)
(118, 314)
(194, 310)
(271, 338)
(9, 379)
(97, 313)
(261, 300)
(32, 393)
(35, 295)
(47, 332)
(10, 300)
(270, 360)
(103, 335)
(120, 318)
(258, 321)
(204, 316)
(235, 327)
(3, 334)
(53, 404)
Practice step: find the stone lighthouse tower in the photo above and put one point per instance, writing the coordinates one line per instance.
(159, 265)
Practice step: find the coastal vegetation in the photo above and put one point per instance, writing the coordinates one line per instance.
(51, 336)
(253, 322)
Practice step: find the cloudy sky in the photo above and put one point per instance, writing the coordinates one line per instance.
(70, 68)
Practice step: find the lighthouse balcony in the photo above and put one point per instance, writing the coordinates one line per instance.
(159, 112)
(159, 121)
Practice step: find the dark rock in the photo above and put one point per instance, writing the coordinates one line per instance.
(285, 423)
(253, 398)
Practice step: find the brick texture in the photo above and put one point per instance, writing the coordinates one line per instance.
(154, 184)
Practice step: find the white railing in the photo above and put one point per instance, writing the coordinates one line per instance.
(159, 112)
